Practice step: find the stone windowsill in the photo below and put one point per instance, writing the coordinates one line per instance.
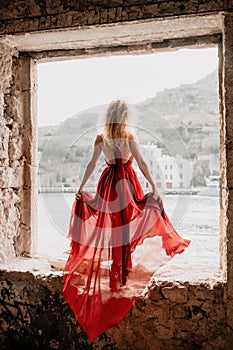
(47, 266)
(37, 265)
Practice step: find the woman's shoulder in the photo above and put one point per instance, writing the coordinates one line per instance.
(98, 139)
(131, 136)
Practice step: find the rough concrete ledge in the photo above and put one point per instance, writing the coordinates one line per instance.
(25, 16)
(171, 315)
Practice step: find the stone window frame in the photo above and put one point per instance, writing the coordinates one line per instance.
(137, 37)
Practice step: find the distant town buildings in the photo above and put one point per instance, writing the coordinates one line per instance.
(167, 171)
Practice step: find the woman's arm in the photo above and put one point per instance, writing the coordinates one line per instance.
(133, 145)
(91, 165)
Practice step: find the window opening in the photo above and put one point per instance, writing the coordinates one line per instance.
(69, 104)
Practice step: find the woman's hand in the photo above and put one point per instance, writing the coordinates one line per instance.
(155, 192)
(78, 195)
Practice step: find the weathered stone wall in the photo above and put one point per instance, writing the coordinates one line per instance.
(171, 316)
(11, 166)
(228, 112)
(24, 16)
(15, 145)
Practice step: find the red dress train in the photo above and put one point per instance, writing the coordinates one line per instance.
(119, 238)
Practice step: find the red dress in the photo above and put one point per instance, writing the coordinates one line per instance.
(119, 238)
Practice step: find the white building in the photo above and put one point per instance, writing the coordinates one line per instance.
(174, 172)
(150, 153)
(167, 172)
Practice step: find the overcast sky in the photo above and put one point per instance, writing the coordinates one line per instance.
(68, 87)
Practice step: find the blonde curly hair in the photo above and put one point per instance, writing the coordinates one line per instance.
(116, 119)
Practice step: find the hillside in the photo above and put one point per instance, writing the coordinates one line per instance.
(196, 103)
(181, 121)
(189, 103)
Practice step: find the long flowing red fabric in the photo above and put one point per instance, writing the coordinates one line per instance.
(119, 238)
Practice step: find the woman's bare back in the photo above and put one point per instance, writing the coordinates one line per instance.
(115, 148)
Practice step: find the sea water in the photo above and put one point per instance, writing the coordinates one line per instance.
(194, 217)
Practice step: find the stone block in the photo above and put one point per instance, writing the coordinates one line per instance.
(25, 218)
(186, 325)
(140, 344)
(103, 15)
(229, 214)
(112, 14)
(201, 292)
(137, 312)
(118, 14)
(44, 22)
(154, 293)
(4, 137)
(202, 332)
(124, 14)
(191, 6)
(6, 54)
(180, 311)
(14, 109)
(164, 332)
(61, 20)
(229, 273)
(135, 12)
(206, 6)
(150, 10)
(10, 198)
(77, 19)
(1, 106)
(160, 311)
(219, 313)
(11, 177)
(207, 307)
(22, 72)
(93, 17)
(15, 148)
(176, 294)
(7, 251)
(54, 7)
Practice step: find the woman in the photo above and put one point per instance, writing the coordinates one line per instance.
(120, 236)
